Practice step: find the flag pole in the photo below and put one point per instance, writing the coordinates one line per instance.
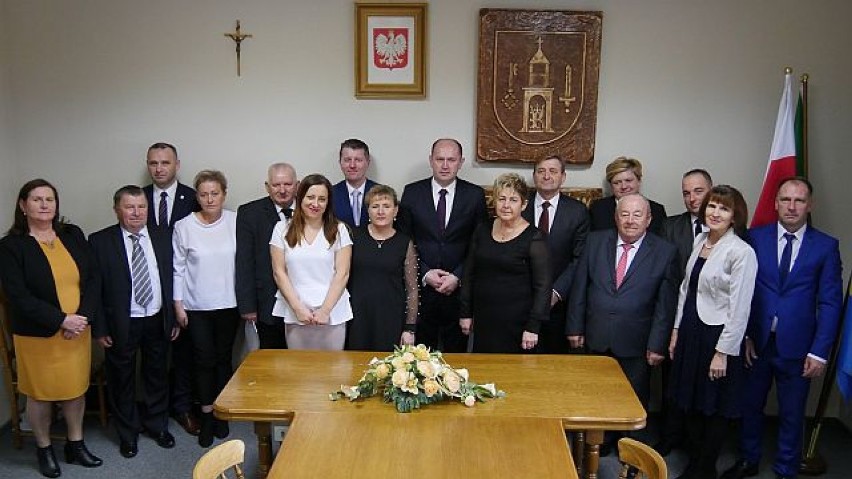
(805, 125)
(812, 463)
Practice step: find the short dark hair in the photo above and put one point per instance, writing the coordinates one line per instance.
(127, 190)
(731, 197)
(551, 157)
(163, 146)
(354, 144)
(458, 145)
(699, 171)
(20, 226)
(796, 179)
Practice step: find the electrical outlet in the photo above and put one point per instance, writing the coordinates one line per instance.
(278, 433)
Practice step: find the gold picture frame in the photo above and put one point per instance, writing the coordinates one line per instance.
(390, 50)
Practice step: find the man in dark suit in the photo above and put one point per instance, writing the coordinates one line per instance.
(682, 230)
(794, 318)
(624, 176)
(440, 214)
(255, 285)
(168, 202)
(135, 265)
(565, 222)
(349, 194)
(624, 294)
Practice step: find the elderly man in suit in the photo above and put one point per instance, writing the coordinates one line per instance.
(794, 319)
(168, 202)
(255, 285)
(349, 194)
(440, 214)
(624, 176)
(682, 231)
(565, 222)
(624, 294)
(135, 265)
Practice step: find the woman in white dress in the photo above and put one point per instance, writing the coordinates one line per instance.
(310, 261)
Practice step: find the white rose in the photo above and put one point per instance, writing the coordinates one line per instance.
(425, 368)
(399, 378)
(398, 363)
(469, 401)
(408, 357)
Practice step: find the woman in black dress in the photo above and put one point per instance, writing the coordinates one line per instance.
(505, 293)
(712, 314)
(382, 279)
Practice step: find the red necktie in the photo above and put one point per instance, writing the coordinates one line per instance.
(621, 268)
(544, 219)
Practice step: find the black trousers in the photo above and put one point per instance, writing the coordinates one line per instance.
(213, 335)
(147, 337)
(182, 372)
(271, 336)
(438, 326)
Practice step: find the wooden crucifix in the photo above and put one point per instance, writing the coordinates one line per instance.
(238, 37)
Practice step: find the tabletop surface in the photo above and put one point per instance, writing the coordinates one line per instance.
(584, 392)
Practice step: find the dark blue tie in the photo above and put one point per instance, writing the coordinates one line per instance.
(786, 257)
(698, 228)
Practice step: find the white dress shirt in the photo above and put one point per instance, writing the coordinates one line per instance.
(630, 254)
(137, 310)
(171, 191)
(551, 211)
(451, 194)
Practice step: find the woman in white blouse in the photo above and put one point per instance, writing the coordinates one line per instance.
(712, 314)
(205, 302)
(310, 261)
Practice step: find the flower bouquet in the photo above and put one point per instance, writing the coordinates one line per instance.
(414, 376)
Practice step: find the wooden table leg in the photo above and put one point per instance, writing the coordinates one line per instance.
(263, 431)
(579, 451)
(593, 453)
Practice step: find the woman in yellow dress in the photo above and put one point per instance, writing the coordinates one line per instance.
(47, 273)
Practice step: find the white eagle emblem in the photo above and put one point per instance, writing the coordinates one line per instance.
(391, 50)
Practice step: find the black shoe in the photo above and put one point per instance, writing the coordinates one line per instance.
(221, 429)
(739, 470)
(76, 451)
(164, 439)
(665, 447)
(205, 436)
(128, 449)
(188, 422)
(47, 464)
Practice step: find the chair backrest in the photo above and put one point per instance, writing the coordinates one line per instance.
(641, 456)
(7, 348)
(214, 464)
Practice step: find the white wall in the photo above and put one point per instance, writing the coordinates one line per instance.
(683, 84)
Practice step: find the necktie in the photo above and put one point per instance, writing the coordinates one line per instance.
(621, 267)
(442, 210)
(356, 207)
(697, 227)
(544, 219)
(163, 211)
(142, 289)
(786, 258)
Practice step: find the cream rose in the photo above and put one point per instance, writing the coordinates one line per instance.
(382, 371)
(425, 368)
(408, 357)
(399, 378)
(451, 381)
(421, 352)
(430, 387)
(469, 401)
(398, 363)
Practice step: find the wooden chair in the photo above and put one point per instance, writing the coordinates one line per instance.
(10, 378)
(214, 464)
(633, 453)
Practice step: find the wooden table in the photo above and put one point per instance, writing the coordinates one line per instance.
(588, 394)
(415, 446)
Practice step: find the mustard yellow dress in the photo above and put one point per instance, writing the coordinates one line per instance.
(55, 368)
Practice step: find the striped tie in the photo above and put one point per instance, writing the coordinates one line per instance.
(142, 289)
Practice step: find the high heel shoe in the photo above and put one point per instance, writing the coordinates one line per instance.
(76, 451)
(47, 464)
(205, 435)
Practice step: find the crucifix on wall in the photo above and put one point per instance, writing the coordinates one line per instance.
(237, 36)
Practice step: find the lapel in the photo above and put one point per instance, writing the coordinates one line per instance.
(804, 250)
(118, 244)
(610, 245)
(644, 251)
(457, 202)
(529, 212)
(687, 229)
(270, 209)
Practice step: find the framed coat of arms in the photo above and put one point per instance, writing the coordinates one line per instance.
(538, 85)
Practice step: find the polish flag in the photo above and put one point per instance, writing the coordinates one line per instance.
(782, 157)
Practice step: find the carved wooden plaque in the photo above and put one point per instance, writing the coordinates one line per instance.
(538, 85)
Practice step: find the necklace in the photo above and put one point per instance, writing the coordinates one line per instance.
(708, 245)
(379, 242)
(48, 240)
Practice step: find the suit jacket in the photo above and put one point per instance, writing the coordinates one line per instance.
(419, 220)
(343, 206)
(184, 204)
(255, 285)
(602, 215)
(116, 284)
(807, 305)
(679, 231)
(566, 240)
(30, 289)
(635, 318)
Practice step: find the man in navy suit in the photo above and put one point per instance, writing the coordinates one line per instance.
(440, 214)
(565, 222)
(794, 318)
(624, 294)
(168, 202)
(135, 265)
(349, 194)
(256, 287)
